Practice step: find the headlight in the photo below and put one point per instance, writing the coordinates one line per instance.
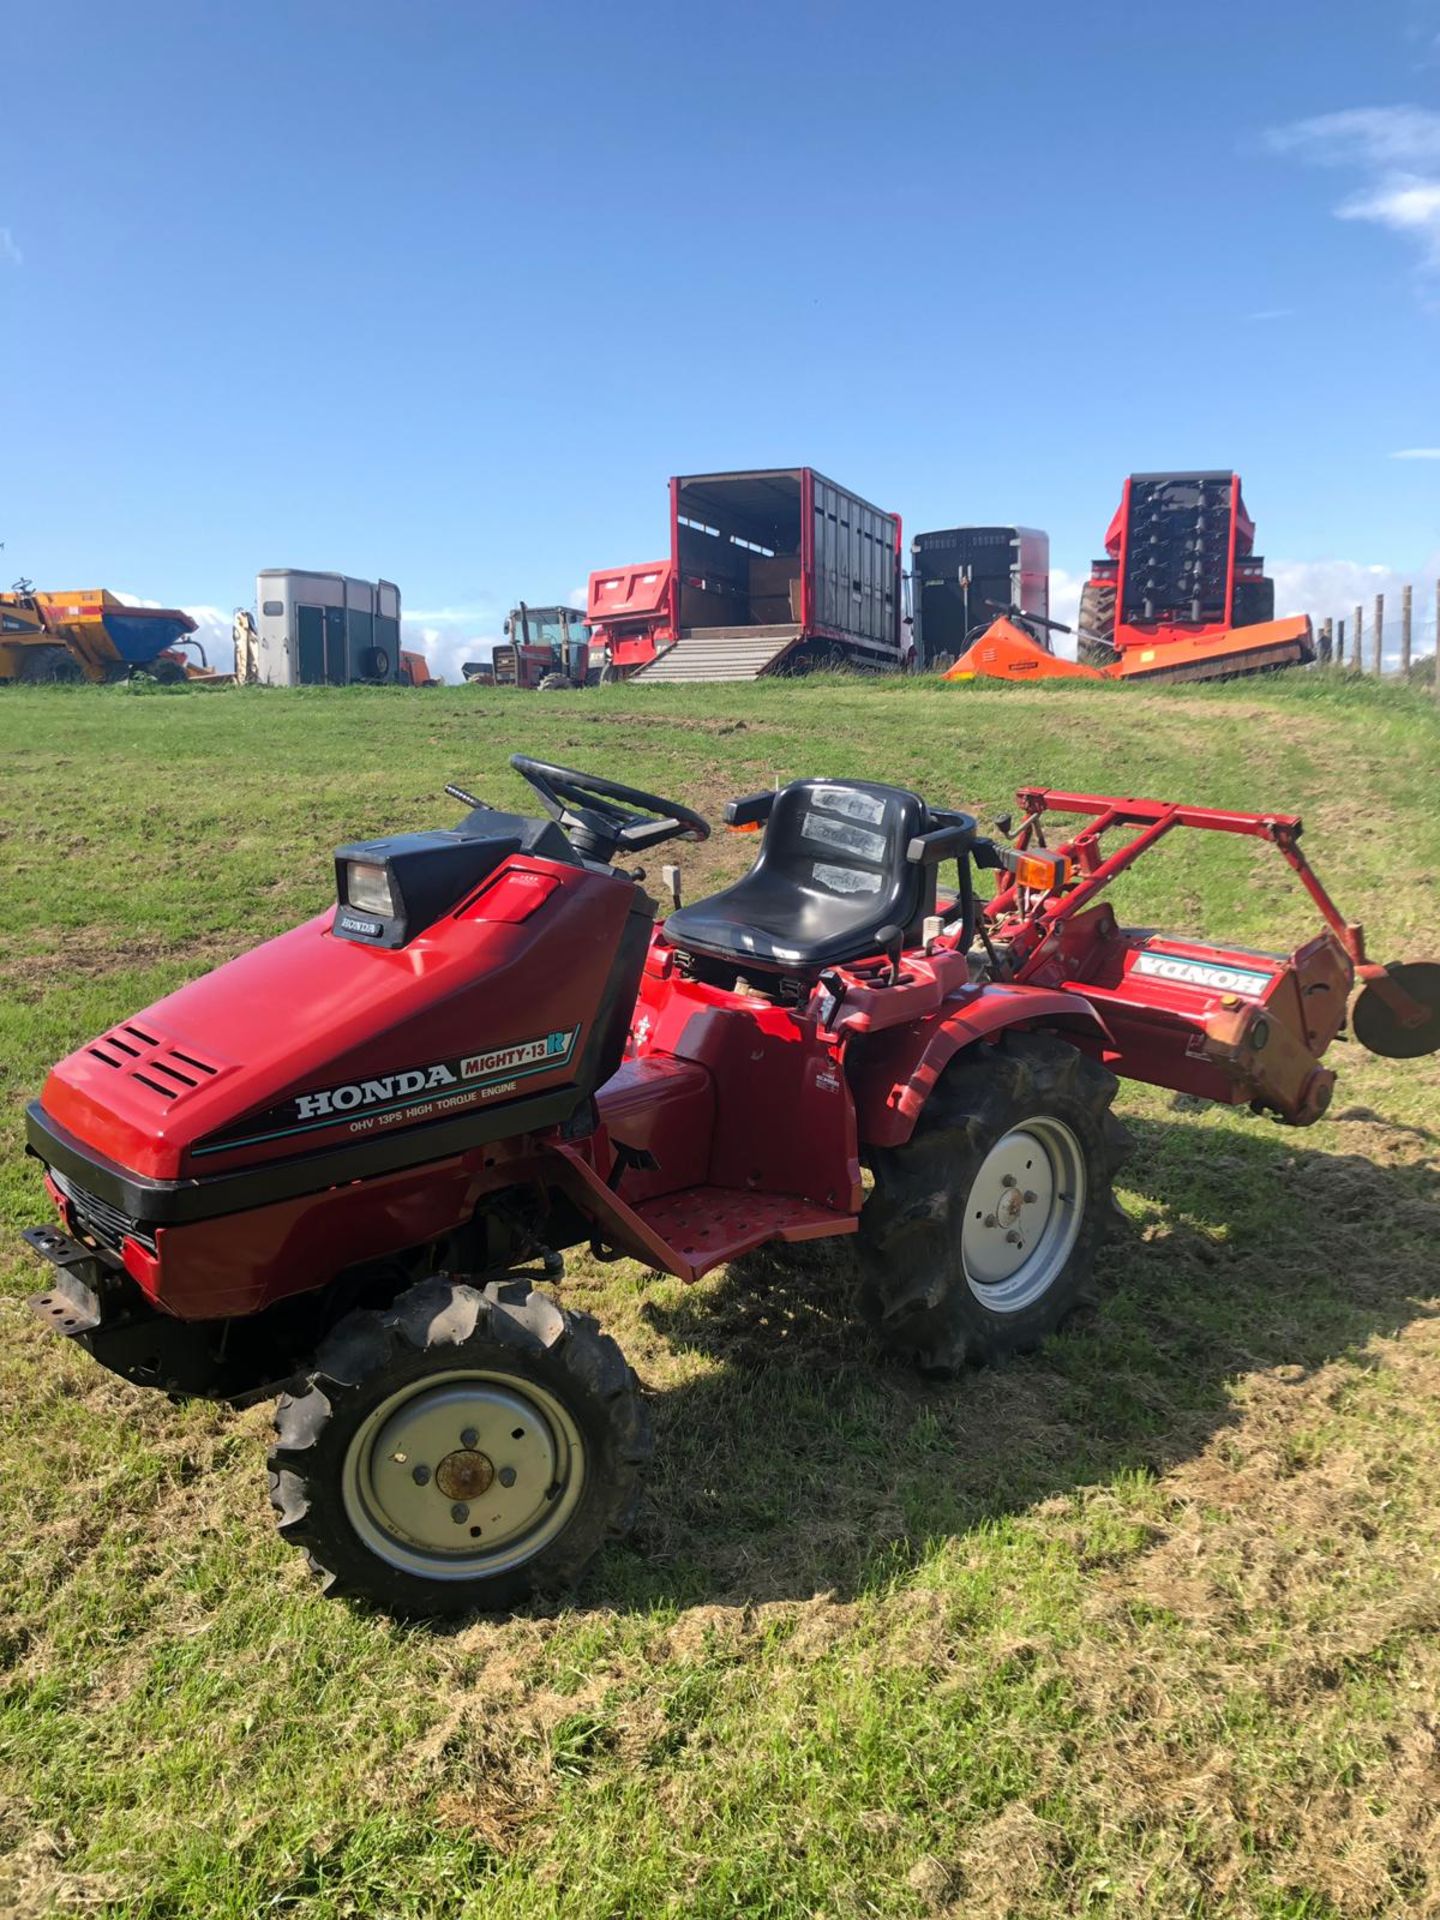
(367, 887)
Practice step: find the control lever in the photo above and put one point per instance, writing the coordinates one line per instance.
(467, 799)
(891, 942)
(837, 987)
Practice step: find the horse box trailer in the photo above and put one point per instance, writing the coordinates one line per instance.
(325, 629)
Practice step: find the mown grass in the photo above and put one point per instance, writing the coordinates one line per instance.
(1146, 1624)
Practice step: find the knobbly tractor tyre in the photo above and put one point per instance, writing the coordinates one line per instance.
(1095, 625)
(462, 1450)
(980, 1233)
(50, 667)
(555, 683)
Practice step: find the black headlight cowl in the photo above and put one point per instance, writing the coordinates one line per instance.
(389, 891)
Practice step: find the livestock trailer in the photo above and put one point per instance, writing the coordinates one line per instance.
(325, 629)
(777, 570)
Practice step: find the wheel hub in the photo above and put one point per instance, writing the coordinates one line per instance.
(1010, 1207)
(464, 1474)
(460, 1476)
(1023, 1214)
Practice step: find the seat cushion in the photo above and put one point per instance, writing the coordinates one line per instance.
(832, 873)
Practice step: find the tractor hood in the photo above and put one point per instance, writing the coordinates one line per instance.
(318, 1049)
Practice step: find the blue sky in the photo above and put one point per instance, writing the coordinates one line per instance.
(445, 292)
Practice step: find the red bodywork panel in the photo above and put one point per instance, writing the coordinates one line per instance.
(257, 1060)
(628, 610)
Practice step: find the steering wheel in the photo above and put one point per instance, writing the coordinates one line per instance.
(603, 817)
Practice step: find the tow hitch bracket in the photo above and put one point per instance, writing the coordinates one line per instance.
(72, 1304)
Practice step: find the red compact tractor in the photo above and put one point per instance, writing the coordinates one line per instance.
(486, 1052)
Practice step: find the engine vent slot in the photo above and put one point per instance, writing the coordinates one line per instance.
(155, 1063)
(173, 1073)
(203, 1066)
(155, 1086)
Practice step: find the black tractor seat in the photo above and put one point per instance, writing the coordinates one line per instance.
(845, 871)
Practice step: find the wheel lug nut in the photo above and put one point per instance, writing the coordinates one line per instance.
(1029, 1197)
(991, 1221)
(1014, 1239)
(507, 1476)
(1008, 1180)
(459, 1512)
(469, 1438)
(421, 1476)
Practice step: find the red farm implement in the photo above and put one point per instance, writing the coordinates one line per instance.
(1180, 594)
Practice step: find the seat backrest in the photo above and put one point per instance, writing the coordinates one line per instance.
(846, 841)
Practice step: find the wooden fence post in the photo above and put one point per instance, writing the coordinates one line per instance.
(1378, 641)
(1327, 641)
(1339, 643)
(1405, 630)
(1357, 641)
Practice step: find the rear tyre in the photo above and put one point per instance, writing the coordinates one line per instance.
(50, 666)
(981, 1231)
(1095, 624)
(462, 1450)
(1254, 602)
(555, 683)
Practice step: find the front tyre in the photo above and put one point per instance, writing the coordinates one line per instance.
(462, 1450)
(981, 1231)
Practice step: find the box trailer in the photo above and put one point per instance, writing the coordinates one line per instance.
(771, 571)
(324, 629)
(961, 577)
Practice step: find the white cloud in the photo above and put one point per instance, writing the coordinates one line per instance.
(1417, 453)
(1406, 204)
(450, 616)
(10, 254)
(214, 630)
(1396, 150)
(1065, 607)
(1367, 136)
(447, 651)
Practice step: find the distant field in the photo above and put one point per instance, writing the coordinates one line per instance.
(1148, 1624)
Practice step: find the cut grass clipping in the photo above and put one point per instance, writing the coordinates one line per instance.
(1143, 1625)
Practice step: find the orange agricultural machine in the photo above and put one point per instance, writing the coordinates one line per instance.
(1180, 594)
(89, 634)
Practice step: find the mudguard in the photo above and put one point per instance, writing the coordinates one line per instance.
(893, 1073)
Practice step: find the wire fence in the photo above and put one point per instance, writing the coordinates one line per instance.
(1401, 637)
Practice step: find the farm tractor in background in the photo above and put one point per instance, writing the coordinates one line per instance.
(485, 1052)
(546, 649)
(1180, 595)
(91, 635)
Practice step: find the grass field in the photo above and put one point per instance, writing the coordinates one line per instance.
(1148, 1624)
